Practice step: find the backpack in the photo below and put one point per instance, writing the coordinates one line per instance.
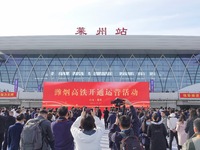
(130, 142)
(31, 136)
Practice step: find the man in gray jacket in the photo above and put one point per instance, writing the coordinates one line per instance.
(194, 142)
(48, 141)
(37, 134)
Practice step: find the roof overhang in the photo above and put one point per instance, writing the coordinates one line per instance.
(93, 44)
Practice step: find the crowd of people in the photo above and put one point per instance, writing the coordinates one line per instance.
(82, 128)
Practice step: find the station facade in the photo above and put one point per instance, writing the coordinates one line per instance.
(169, 63)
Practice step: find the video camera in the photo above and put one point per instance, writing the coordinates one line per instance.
(118, 102)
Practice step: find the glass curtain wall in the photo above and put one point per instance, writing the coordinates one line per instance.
(168, 72)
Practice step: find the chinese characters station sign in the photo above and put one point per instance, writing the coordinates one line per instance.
(101, 31)
(189, 95)
(8, 94)
(93, 94)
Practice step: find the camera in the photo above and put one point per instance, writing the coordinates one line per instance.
(118, 102)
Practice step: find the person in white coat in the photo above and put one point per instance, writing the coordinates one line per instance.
(87, 131)
(180, 128)
(171, 124)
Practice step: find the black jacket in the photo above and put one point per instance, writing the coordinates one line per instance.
(157, 134)
(189, 127)
(114, 135)
(2, 124)
(106, 113)
(10, 120)
(14, 133)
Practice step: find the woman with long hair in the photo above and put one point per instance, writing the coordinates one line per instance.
(144, 138)
(180, 128)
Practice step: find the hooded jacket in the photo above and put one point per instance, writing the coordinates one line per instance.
(85, 141)
(157, 134)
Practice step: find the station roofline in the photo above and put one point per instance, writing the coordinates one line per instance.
(104, 44)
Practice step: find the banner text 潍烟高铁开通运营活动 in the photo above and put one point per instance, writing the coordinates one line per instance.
(93, 94)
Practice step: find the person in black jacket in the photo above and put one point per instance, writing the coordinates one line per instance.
(111, 120)
(157, 134)
(111, 117)
(10, 120)
(14, 133)
(27, 115)
(98, 113)
(2, 128)
(131, 126)
(144, 138)
(105, 116)
(124, 123)
(189, 129)
(198, 112)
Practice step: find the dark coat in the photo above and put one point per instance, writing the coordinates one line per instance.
(10, 120)
(114, 137)
(111, 119)
(189, 127)
(157, 134)
(2, 124)
(106, 113)
(14, 133)
(135, 121)
(2, 129)
(27, 116)
(99, 113)
(47, 133)
(62, 134)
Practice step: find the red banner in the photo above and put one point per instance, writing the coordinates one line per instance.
(8, 94)
(189, 95)
(92, 94)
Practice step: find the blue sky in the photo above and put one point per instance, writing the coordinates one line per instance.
(62, 17)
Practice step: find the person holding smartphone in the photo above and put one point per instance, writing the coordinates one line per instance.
(87, 131)
(127, 124)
